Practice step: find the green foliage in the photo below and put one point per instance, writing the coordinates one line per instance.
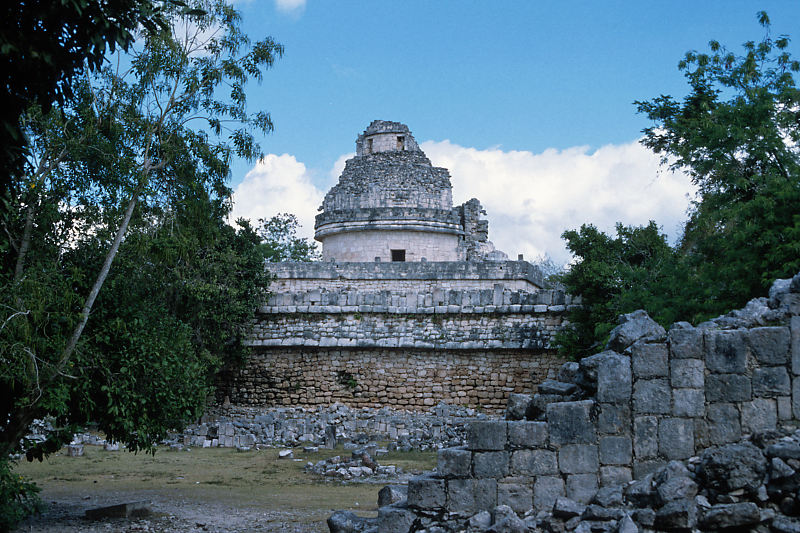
(737, 134)
(122, 289)
(18, 498)
(614, 276)
(44, 44)
(280, 242)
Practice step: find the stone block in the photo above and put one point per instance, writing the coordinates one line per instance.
(578, 459)
(784, 407)
(652, 397)
(615, 450)
(614, 379)
(453, 462)
(649, 360)
(642, 468)
(688, 402)
(527, 434)
(486, 435)
(759, 415)
(795, 341)
(614, 419)
(769, 382)
(490, 464)
(687, 373)
(395, 519)
(425, 492)
(518, 496)
(726, 351)
(581, 488)
(645, 436)
(685, 342)
(676, 438)
(770, 345)
(546, 490)
(728, 388)
(470, 495)
(533, 463)
(613, 476)
(571, 422)
(796, 397)
(723, 423)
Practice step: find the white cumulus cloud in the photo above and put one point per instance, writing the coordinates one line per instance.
(530, 199)
(278, 184)
(290, 6)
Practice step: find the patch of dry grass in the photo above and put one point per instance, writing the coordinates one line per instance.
(254, 479)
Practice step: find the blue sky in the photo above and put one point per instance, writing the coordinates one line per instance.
(526, 96)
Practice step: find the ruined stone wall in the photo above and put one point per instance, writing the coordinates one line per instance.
(658, 397)
(401, 349)
(414, 379)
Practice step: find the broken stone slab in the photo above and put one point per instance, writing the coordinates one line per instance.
(392, 494)
(550, 386)
(732, 467)
(677, 514)
(517, 406)
(75, 450)
(122, 510)
(349, 522)
(285, 454)
(729, 515)
(633, 327)
(566, 508)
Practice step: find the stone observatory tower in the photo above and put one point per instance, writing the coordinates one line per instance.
(392, 204)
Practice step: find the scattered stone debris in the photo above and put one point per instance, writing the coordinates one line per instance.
(361, 465)
(443, 426)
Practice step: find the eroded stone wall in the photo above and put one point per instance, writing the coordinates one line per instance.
(401, 378)
(652, 397)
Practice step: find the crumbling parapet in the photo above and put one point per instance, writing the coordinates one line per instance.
(624, 415)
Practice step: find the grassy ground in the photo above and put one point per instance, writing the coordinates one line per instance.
(256, 479)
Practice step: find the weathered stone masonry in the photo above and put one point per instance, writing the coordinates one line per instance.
(412, 304)
(653, 400)
(410, 350)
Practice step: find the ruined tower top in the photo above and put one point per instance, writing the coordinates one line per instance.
(385, 136)
(392, 204)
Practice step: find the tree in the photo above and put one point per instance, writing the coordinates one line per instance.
(737, 135)
(280, 242)
(43, 45)
(131, 172)
(636, 269)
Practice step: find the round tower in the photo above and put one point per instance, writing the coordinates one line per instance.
(391, 204)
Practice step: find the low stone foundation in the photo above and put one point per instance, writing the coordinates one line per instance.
(404, 378)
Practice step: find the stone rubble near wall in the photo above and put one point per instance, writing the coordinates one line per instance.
(644, 414)
(236, 426)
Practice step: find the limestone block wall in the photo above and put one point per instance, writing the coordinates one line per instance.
(404, 349)
(466, 320)
(418, 276)
(367, 245)
(413, 379)
(657, 401)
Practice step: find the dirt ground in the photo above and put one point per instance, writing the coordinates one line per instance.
(215, 490)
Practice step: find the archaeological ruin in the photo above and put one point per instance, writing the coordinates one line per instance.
(411, 304)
